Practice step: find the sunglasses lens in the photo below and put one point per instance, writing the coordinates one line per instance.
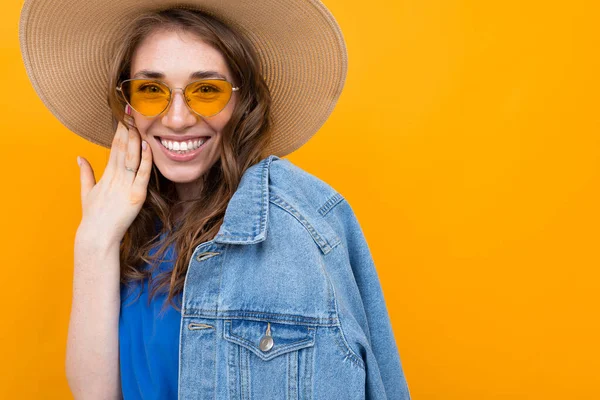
(146, 96)
(209, 96)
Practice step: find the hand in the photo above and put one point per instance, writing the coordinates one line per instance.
(110, 206)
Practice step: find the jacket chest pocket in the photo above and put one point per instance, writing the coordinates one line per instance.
(269, 360)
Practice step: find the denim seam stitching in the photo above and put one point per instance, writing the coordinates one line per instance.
(278, 201)
(308, 382)
(294, 357)
(332, 295)
(264, 195)
(281, 321)
(289, 375)
(283, 350)
(352, 355)
(245, 355)
(215, 345)
(258, 314)
(225, 253)
(349, 354)
(330, 203)
(232, 376)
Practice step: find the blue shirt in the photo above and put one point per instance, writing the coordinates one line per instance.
(148, 342)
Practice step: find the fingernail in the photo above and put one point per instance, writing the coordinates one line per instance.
(144, 145)
(127, 109)
(78, 161)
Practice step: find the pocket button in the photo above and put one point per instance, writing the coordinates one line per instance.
(266, 342)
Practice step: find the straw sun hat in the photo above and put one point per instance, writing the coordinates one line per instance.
(67, 46)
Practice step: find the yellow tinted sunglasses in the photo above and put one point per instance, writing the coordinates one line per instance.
(150, 97)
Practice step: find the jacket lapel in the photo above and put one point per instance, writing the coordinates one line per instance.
(246, 216)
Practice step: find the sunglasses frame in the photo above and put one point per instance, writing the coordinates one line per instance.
(171, 90)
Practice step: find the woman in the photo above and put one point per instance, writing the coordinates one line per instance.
(207, 266)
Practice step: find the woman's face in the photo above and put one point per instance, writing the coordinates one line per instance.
(177, 55)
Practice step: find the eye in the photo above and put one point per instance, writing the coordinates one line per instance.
(206, 88)
(151, 88)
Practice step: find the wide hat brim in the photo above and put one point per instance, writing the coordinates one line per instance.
(66, 47)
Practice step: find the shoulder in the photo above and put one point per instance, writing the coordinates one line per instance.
(306, 197)
(289, 179)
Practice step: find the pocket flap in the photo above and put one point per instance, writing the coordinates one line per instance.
(286, 337)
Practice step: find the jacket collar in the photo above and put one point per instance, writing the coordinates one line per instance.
(245, 220)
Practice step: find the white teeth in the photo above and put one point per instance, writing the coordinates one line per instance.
(183, 146)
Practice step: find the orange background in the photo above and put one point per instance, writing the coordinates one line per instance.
(467, 142)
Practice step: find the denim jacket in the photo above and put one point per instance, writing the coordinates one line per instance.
(285, 302)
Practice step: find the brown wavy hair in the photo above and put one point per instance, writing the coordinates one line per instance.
(244, 137)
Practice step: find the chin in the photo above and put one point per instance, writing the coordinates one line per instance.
(181, 175)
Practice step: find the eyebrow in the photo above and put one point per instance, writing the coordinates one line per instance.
(195, 75)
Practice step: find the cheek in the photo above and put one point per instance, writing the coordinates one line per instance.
(224, 116)
(218, 122)
(141, 126)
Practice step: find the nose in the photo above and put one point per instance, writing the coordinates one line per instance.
(178, 115)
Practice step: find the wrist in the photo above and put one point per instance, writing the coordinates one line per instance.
(90, 238)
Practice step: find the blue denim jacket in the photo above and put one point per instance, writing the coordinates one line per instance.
(285, 302)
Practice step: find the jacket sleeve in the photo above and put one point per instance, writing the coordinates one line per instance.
(385, 378)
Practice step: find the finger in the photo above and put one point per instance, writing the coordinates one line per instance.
(132, 160)
(122, 148)
(87, 178)
(114, 150)
(140, 184)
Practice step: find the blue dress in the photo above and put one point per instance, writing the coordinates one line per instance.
(149, 342)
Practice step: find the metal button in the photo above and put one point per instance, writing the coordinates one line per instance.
(266, 342)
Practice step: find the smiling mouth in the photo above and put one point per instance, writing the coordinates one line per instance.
(182, 147)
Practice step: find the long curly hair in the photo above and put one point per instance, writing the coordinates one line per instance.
(244, 137)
